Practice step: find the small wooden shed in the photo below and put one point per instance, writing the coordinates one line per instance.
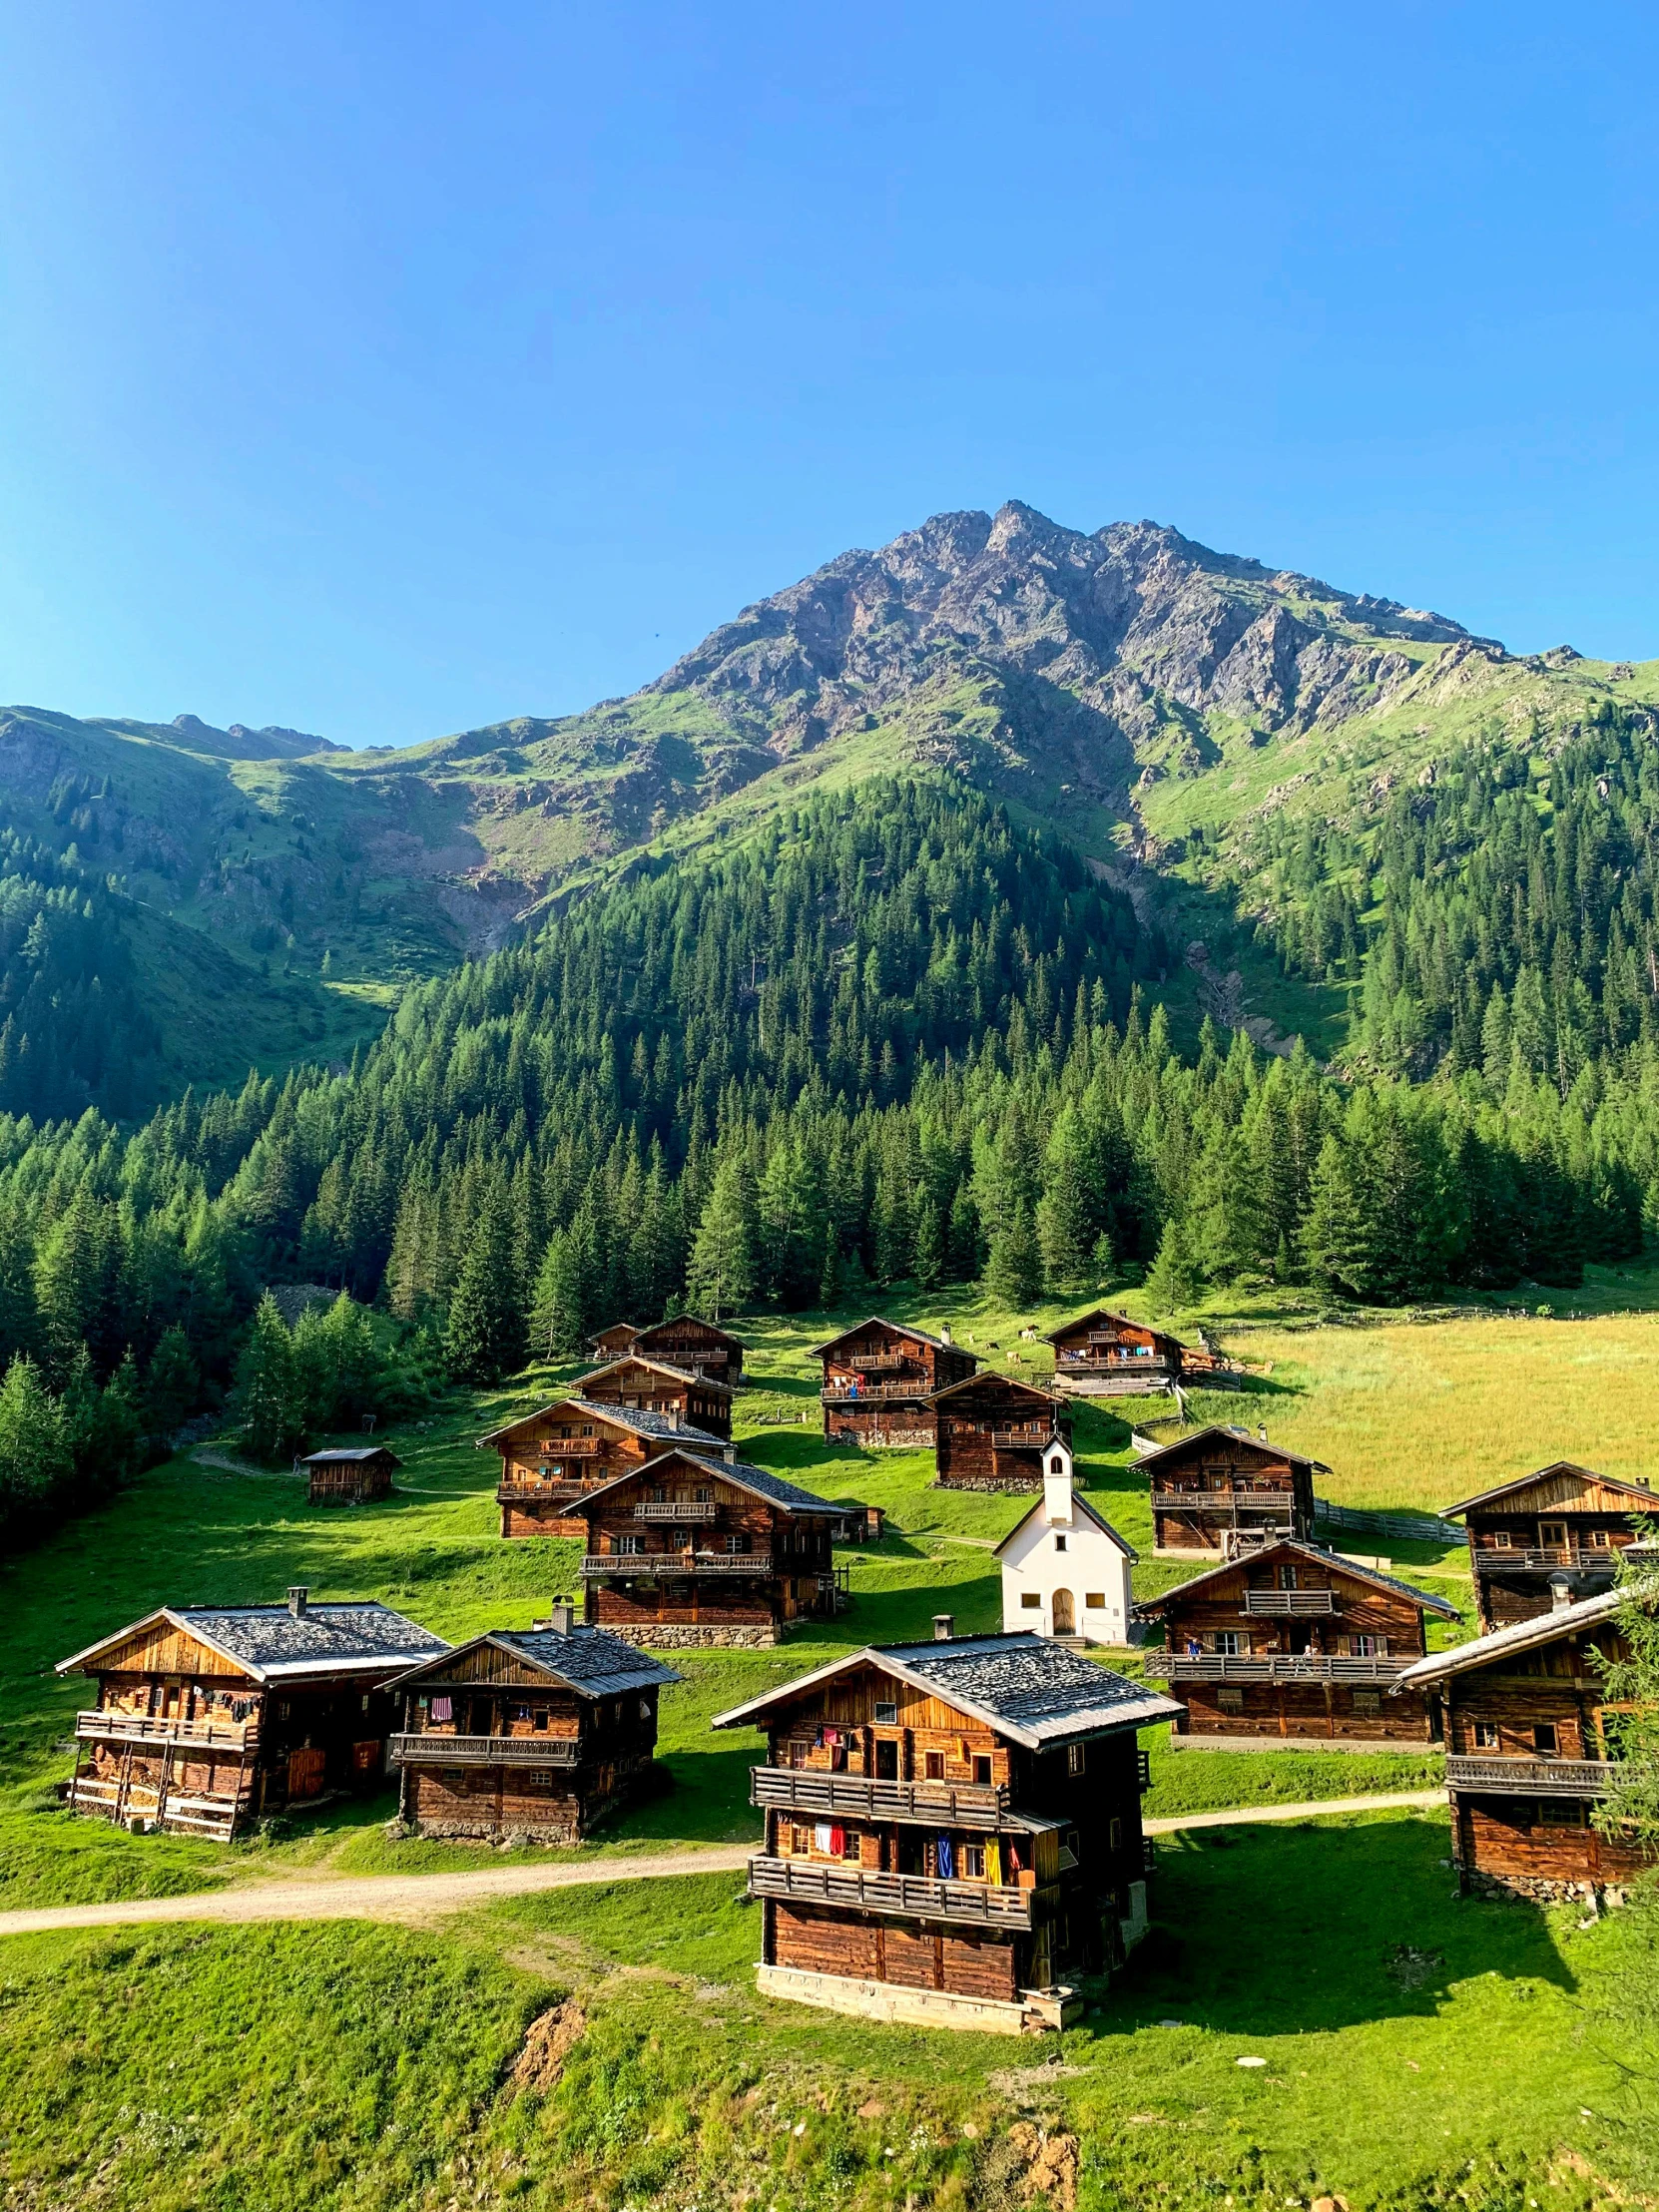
(350, 1475)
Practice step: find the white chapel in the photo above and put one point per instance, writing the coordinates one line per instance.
(1065, 1569)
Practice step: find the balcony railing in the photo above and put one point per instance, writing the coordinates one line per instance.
(566, 1447)
(877, 1363)
(926, 1804)
(671, 1565)
(141, 1728)
(428, 1748)
(655, 1509)
(1111, 1362)
(868, 1394)
(539, 1494)
(1228, 1505)
(1216, 1666)
(1550, 1559)
(903, 1896)
(1524, 1777)
(1282, 1603)
(1030, 1439)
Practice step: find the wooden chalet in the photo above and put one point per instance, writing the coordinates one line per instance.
(1527, 1752)
(952, 1830)
(552, 1458)
(350, 1475)
(692, 1550)
(208, 1717)
(685, 1341)
(991, 1434)
(1287, 1646)
(878, 1380)
(531, 1735)
(1563, 1520)
(1103, 1355)
(653, 1387)
(1227, 1490)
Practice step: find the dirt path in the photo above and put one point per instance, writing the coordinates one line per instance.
(414, 1897)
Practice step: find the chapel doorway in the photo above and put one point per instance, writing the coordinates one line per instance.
(1064, 1617)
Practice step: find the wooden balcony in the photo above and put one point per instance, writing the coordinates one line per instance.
(430, 1748)
(877, 1363)
(1299, 1666)
(875, 1393)
(1551, 1559)
(238, 1736)
(674, 1565)
(1260, 1498)
(1298, 1604)
(683, 1510)
(539, 1494)
(567, 1447)
(925, 1804)
(1522, 1777)
(1030, 1439)
(898, 1895)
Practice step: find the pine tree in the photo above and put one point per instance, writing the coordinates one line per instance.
(269, 1398)
(560, 1321)
(172, 1385)
(1630, 1691)
(485, 1335)
(1174, 1284)
(35, 1457)
(721, 1276)
(1014, 1269)
(1067, 1215)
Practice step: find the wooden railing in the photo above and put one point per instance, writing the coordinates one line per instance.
(865, 1394)
(1029, 1439)
(905, 1895)
(1300, 1666)
(877, 1363)
(141, 1728)
(186, 1812)
(656, 1509)
(1230, 1502)
(539, 1494)
(1530, 1777)
(1300, 1603)
(568, 1447)
(956, 1804)
(663, 1564)
(430, 1748)
(1491, 1559)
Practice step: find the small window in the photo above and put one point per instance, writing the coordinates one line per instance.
(1367, 1701)
(1287, 1578)
(1076, 1758)
(933, 1766)
(1485, 1736)
(1114, 1835)
(1544, 1738)
(1599, 1539)
(801, 1843)
(885, 1713)
(629, 1546)
(1371, 1647)
(1230, 1701)
(1030, 1601)
(1502, 1541)
(1095, 1601)
(1229, 1642)
(970, 1863)
(1552, 1535)
(1059, 1544)
(736, 1546)
(982, 1769)
(1561, 1813)
(849, 1845)
(1057, 1465)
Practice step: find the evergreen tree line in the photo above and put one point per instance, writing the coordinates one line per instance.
(894, 1038)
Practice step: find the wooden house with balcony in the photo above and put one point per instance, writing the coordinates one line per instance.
(350, 1475)
(1288, 1646)
(526, 1734)
(553, 1457)
(685, 1341)
(952, 1830)
(1227, 1490)
(992, 1433)
(692, 1550)
(1563, 1520)
(210, 1717)
(879, 1380)
(1528, 1752)
(1103, 1355)
(653, 1387)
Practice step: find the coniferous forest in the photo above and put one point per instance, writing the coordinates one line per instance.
(892, 1037)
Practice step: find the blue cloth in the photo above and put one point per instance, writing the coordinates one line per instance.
(947, 1862)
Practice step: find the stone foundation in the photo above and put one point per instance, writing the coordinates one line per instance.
(460, 1831)
(1013, 1485)
(690, 1636)
(1539, 1890)
(1036, 2012)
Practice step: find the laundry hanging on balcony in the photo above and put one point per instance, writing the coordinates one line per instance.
(442, 1709)
(947, 1860)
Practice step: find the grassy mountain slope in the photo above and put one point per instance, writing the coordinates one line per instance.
(1153, 699)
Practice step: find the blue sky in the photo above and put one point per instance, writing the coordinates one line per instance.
(385, 370)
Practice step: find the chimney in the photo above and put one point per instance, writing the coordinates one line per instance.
(1560, 1592)
(944, 1627)
(562, 1619)
(300, 1598)
(1261, 1434)
(945, 1337)
(674, 1418)
(728, 1452)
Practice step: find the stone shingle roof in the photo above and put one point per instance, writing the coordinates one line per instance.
(1030, 1689)
(590, 1660)
(643, 1423)
(337, 1452)
(1548, 1628)
(1321, 1556)
(880, 1320)
(761, 1481)
(273, 1644)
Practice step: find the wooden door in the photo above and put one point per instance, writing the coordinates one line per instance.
(1064, 1617)
(305, 1772)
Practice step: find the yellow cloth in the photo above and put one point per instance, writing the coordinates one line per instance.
(993, 1862)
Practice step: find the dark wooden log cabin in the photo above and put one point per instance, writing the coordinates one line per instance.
(208, 1717)
(1523, 1717)
(526, 1734)
(1224, 1490)
(878, 1380)
(350, 1475)
(690, 1550)
(552, 1458)
(685, 1341)
(653, 1387)
(991, 1432)
(1103, 1355)
(1562, 1520)
(952, 1830)
(1288, 1646)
